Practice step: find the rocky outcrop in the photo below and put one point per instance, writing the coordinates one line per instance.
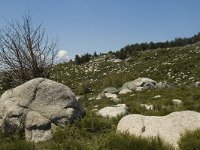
(113, 111)
(36, 107)
(168, 127)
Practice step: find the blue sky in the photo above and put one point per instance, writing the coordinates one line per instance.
(102, 25)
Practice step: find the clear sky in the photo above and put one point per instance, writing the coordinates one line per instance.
(102, 25)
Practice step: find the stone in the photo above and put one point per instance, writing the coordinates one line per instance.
(162, 85)
(91, 98)
(125, 91)
(117, 60)
(111, 90)
(177, 102)
(147, 107)
(140, 83)
(113, 111)
(157, 96)
(168, 127)
(116, 100)
(38, 106)
(111, 96)
(197, 84)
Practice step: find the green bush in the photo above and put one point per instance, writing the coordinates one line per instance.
(126, 142)
(95, 124)
(190, 140)
(17, 145)
(113, 80)
(82, 88)
(14, 142)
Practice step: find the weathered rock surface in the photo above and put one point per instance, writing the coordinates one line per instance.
(111, 96)
(162, 85)
(113, 111)
(177, 102)
(36, 107)
(147, 106)
(117, 60)
(168, 127)
(125, 91)
(140, 83)
(157, 96)
(111, 90)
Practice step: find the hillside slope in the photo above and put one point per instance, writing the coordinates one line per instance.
(178, 66)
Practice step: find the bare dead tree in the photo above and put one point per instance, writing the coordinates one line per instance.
(26, 51)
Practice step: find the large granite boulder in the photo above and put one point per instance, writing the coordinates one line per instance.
(37, 107)
(140, 83)
(168, 127)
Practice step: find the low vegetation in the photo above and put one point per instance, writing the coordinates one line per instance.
(190, 140)
(178, 66)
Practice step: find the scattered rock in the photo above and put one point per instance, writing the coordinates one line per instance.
(117, 60)
(157, 96)
(147, 107)
(162, 85)
(96, 106)
(91, 98)
(132, 95)
(36, 107)
(111, 90)
(99, 97)
(113, 111)
(177, 102)
(95, 109)
(125, 91)
(168, 127)
(197, 84)
(140, 83)
(111, 96)
(116, 100)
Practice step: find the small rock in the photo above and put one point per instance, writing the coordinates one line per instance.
(91, 98)
(132, 95)
(115, 100)
(197, 84)
(111, 96)
(96, 106)
(125, 91)
(157, 96)
(111, 90)
(177, 101)
(94, 109)
(117, 60)
(147, 107)
(113, 111)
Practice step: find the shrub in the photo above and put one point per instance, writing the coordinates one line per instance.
(127, 142)
(113, 80)
(94, 123)
(14, 142)
(82, 88)
(190, 140)
(18, 145)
